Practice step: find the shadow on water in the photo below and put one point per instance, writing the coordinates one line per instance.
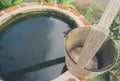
(35, 44)
(19, 73)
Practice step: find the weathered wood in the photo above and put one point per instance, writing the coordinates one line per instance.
(92, 44)
(94, 40)
(98, 34)
(107, 57)
(93, 63)
(109, 15)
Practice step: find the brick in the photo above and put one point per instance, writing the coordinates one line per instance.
(71, 79)
(11, 9)
(1, 14)
(23, 5)
(83, 79)
(75, 12)
(34, 3)
(85, 21)
(62, 7)
(48, 4)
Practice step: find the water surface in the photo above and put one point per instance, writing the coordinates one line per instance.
(33, 41)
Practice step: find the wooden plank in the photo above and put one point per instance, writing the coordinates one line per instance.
(67, 76)
(109, 15)
(92, 44)
(95, 39)
(98, 34)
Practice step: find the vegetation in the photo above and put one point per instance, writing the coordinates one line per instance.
(102, 77)
(115, 29)
(91, 12)
(68, 3)
(8, 3)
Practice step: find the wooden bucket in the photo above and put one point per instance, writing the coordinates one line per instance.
(106, 56)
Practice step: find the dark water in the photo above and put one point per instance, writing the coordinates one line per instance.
(32, 42)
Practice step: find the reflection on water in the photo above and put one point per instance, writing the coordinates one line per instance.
(32, 42)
